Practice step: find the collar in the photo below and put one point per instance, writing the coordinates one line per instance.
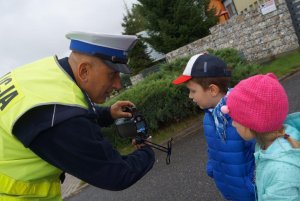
(66, 66)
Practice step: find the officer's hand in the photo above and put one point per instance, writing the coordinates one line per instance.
(140, 145)
(116, 110)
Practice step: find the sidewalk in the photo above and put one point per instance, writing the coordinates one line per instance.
(71, 186)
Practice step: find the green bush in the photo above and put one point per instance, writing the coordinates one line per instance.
(159, 100)
(176, 66)
(125, 80)
(244, 70)
(230, 55)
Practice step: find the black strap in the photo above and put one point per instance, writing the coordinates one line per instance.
(62, 177)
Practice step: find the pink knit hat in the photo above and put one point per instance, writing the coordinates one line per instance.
(259, 103)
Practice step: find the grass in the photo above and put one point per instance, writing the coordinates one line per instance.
(283, 64)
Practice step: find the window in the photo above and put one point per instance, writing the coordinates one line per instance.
(229, 5)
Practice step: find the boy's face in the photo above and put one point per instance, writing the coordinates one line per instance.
(203, 98)
(243, 131)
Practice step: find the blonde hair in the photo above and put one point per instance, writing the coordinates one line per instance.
(263, 138)
(295, 144)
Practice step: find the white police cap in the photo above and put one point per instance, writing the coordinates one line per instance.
(112, 49)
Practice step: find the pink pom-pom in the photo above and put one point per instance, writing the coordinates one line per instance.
(225, 109)
(272, 75)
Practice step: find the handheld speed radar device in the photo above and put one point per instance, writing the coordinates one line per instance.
(136, 127)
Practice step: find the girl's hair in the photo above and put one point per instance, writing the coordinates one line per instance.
(295, 144)
(222, 82)
(261, 138)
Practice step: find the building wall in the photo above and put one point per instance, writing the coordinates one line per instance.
(247, 5)
(257, 36)
(241, 5)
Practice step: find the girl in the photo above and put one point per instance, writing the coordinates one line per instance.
(259, 106)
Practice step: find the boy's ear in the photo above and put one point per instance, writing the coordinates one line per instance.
(214, 90)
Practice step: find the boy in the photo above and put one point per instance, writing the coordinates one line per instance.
(230, 158)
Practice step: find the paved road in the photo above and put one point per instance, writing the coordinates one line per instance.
(185, 178)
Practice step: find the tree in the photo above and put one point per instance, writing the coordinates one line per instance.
(172, 24)
(133, 23)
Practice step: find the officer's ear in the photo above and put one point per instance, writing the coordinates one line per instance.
(84, 71)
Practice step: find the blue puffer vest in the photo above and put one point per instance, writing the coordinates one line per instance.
(230, 162)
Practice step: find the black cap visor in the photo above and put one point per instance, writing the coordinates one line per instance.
(123, 68)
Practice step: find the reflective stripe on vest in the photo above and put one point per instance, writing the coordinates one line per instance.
(40, 189)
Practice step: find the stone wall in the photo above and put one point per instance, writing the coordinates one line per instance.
(257, 36)
(136, 79)
(144, 73)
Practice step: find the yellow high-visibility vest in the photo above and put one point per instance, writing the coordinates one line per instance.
(23, 175)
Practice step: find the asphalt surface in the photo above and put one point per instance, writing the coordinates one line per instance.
(185, 178)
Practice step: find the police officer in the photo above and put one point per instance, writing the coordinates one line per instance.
(49, 123)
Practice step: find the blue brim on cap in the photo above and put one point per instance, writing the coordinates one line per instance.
(96, 49)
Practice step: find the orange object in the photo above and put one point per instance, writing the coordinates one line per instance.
(221, 12)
